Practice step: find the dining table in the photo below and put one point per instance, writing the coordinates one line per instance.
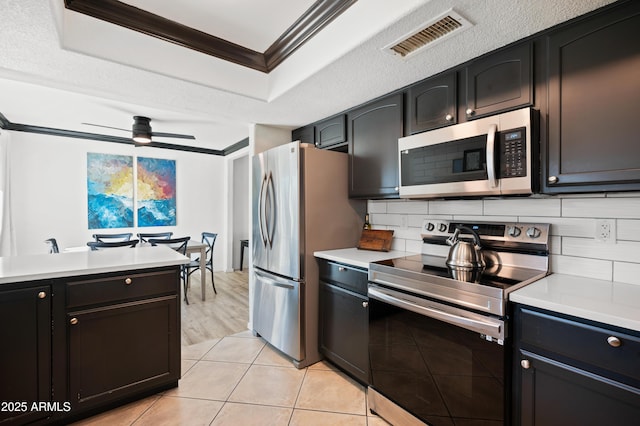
(199, 247)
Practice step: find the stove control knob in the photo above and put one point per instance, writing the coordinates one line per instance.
(513, 231)
(442, 227)
(430, 226)
(533, 232)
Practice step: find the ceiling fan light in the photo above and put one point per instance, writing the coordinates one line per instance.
(141, 129)
(142, 138)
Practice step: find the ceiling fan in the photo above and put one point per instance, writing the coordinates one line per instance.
(141, 131)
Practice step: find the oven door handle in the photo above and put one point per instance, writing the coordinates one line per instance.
(480, 325)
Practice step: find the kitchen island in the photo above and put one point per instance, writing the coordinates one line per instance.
(83, 332)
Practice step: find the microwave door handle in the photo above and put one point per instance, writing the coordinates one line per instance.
(491, 159)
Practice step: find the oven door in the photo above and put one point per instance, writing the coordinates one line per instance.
(442, 364)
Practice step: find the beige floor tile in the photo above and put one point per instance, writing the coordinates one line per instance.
(209, 380)
(246, 333)
(269, 385)
(373, 420)
(270, 356)
(235, 349)
(171, 411)
(331, 391)
(185, 365)
(121, 416)
(321, 418)
(252, 415)
(198, 350)
(323, 365)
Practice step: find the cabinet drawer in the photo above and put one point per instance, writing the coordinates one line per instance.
(588, 344)
(108, 289)
(344, 276)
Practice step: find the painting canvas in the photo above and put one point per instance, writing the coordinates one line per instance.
(109, 190)
(156, 192)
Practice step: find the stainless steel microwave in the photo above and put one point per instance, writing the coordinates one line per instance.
(496, 155)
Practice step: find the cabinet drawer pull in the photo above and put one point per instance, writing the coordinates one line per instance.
(128, 281)
(365, 304)
(614, 341)
(525, 364)
(469, 112)
(448, 117)
(552, 179)
(341, 268)
(73, 321)
(42, 295)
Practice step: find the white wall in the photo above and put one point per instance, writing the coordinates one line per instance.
(49, 191)
(574, 249)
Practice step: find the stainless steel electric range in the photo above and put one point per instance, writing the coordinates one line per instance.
(439, 340)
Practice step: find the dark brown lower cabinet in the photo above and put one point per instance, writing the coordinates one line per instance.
(570, 371)
(344, 318)
(72, 347)
(25, 353)
(120, 349)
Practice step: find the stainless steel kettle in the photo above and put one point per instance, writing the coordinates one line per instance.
(464, 254)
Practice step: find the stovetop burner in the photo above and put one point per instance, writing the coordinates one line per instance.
(516, 254)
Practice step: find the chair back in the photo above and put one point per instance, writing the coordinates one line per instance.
(53, 245)
(178, 244)
(155, 235)
(209, 238)
(100, 245)
(113, 237)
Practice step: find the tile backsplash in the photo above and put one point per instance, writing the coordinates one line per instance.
(574, 248)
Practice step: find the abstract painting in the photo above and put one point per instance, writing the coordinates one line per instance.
(109, 191)
(156, 199)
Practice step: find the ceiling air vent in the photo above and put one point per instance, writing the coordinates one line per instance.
(429, 34)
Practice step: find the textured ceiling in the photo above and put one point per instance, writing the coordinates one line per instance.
(61, 69)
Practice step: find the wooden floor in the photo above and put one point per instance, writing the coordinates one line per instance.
(220, 314)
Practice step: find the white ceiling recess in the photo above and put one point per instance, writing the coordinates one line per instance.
(102, 73)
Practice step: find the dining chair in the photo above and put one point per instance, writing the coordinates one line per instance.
(113, 237)
(100, 245)
(209, 238)
(53, 245)
(145, 237)
(179, 245)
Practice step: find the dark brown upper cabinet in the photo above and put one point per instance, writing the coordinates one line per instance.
(498, 82)
(372, 132)
(331, 132)
(432, 104)
(304, 134)
(594, 100)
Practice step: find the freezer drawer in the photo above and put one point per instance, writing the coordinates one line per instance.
(278, 312)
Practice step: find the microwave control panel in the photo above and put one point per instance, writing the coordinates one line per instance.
(513, 153)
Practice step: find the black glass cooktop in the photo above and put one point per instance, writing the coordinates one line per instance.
(498, 276)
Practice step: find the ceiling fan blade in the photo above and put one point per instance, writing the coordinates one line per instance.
(106, 127)
(172, 135)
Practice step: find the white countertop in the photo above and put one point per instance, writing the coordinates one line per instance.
(603, 301)
(46, 266)
(359, 258)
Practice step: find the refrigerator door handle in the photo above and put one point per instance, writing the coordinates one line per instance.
(271, 218)
(261, 212)
(267, 279)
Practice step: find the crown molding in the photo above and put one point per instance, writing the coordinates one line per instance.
(320, 14)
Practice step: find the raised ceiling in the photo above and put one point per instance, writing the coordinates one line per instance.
(60, 68)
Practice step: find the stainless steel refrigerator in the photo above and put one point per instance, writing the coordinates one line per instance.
(300, 205)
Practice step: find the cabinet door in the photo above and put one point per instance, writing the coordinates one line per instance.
(117, 350)
(304, 134)
(500, 81)
(554, 393)
(594, 99)
(331, 131)
(344, 325)
(431, 104)
(373, 133)
(25, 357)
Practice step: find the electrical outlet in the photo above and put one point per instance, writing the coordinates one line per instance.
(606, 231)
